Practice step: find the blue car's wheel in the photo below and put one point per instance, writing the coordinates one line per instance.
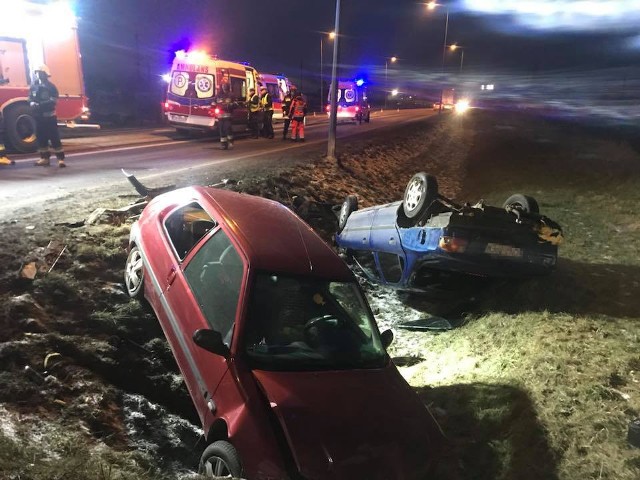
(524, 203)
(349, 205)
(421, 192)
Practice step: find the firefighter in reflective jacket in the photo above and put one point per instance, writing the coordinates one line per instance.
(254, 113)
(225, 105)
(297, 113)
(266, 104)
(43, 96)
(286, 109)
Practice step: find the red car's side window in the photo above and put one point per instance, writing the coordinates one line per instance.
(215, 276)
(186, 226)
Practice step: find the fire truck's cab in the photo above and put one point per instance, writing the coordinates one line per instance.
(195, 80)
(31, 34)
(277, 86)
(353, 105)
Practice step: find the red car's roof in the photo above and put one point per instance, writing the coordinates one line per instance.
(274, 238)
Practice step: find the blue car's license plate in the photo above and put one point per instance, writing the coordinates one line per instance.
(502, 250)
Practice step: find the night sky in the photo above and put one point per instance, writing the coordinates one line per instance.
(125, 40)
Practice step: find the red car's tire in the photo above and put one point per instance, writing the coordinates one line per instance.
(220, 459)
(134, 273)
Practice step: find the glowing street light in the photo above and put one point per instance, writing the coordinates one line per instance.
(453, 48)
(386, 77)
(394, 92)
(331, 36)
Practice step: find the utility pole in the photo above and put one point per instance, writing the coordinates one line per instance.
(333, 118)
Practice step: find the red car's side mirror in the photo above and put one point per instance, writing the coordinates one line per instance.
(211, 341)
(387, 338)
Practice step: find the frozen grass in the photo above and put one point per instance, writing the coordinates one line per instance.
(60, 454)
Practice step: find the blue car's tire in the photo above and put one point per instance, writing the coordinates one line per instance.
(524, 203)
(349, 206)
(421, 192)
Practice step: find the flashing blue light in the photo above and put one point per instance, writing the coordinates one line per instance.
(359, 82)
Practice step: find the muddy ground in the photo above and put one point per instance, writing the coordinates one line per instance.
(78, 359)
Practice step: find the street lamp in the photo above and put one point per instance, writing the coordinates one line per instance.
(386, 77)
(455, 47)
(333, 117)
(331, 36)
(431, 6)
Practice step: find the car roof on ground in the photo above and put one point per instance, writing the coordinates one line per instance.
(273, 237)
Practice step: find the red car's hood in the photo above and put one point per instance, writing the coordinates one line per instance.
(353, 423)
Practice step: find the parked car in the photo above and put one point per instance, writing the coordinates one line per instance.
(276, 343)
(413, 243)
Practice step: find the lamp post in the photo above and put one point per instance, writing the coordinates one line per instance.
(331, 142)
(431, 6)
(331, 35)
(455, 47)
(386, 78)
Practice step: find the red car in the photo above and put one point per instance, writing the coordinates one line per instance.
(276, 342)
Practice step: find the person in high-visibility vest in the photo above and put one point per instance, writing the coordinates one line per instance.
(266, 103)
(4, 160)
(286, 109)
(254, 113)
(297, 113)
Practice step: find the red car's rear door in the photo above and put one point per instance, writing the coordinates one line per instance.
(201, 292)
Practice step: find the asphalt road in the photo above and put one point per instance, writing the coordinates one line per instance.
(159, 157)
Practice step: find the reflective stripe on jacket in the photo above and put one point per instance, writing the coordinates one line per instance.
(266, 102)
(254, 103)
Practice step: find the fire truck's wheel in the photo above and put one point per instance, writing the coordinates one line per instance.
(220, 460)
(421, 192)
(20, 129)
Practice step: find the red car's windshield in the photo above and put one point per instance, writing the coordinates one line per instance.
(309, 324)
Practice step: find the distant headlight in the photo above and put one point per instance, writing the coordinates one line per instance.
(462, 106)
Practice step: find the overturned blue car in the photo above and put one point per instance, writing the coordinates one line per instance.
(415, 243)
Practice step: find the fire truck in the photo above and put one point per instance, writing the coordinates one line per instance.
(277, 86)
(31, 34)
(195, 80)
(353, 105)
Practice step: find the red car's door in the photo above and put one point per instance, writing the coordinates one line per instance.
(202, 292)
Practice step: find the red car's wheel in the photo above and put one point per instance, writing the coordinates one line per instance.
(134, 273)
(220, 460)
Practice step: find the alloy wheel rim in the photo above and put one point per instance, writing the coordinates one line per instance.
(134, 271)
(343, 213)
(414, 194)
(216, 467)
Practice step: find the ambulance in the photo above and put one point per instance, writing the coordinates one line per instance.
(277, 86)
(31, 34)
(353, 105)
(194, 82)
